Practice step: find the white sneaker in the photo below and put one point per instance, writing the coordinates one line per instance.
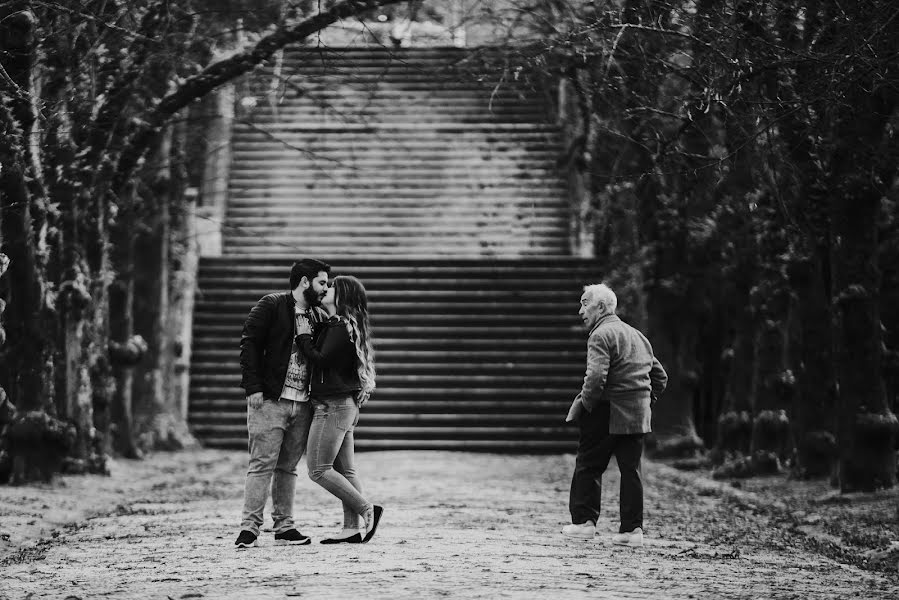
(581, 531)
(631, 538)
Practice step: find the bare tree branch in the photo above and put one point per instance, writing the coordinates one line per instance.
(106, 124)
(227, 69)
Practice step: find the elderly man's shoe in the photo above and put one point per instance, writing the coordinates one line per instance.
(581, 531)
(633, 538)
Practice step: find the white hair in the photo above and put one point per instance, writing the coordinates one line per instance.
(600, 292)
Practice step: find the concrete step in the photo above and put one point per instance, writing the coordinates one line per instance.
(415, 170)
(526, 444)
(397, 86)
(220, 299)
(420, 433)
(412, 267)
(236, 407)
(367, 116)
(453, 163)
(337, 138)
(230, 283)
(537, 354)
(399, 216)
(347, 154)
(425, 394)
(418, 380)
(399, 252)
(400, 366)
(368, 247)
(408, 419)
(440, 197)
(311, 178)
(212, 317)
(393, 235)
(226, 347)
(421, 130)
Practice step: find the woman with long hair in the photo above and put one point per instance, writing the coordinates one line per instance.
(342, 379)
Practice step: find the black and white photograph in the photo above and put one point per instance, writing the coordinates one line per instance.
(472, 299)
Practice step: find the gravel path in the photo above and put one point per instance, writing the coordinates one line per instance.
(456, 525)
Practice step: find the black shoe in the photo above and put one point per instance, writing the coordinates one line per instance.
(246, 539)
(376, 518)
(292, 537)
(356, 538)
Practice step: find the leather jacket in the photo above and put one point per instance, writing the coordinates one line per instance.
(267, 342)
(332, 355)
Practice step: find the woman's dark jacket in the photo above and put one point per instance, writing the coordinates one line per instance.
(267, 341)
(332, 355)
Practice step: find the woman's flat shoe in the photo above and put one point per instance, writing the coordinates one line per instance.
(376, 518)
(356, 538)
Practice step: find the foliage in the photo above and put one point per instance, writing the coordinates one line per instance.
(752, 147)
(89, 93)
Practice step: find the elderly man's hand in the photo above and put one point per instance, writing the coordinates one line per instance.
(576, 410)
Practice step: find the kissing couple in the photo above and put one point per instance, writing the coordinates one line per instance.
(307, 368)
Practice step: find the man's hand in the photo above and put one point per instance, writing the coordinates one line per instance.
(576, 410)
(255, 400)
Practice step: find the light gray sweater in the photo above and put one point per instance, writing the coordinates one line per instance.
(623, 372)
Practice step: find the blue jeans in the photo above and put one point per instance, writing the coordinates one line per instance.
(330, 454)
(278, 433)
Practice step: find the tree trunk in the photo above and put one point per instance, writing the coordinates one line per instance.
(158, 416)
(7, 409)
(121, 306)
(867, 428)
(25, 356)
(185, 261)
(813, 409)
(674, 429)
(734, 435)
(773, 383)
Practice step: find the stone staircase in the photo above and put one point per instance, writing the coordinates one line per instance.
(443, 197)
(473, 354)
(383, 152)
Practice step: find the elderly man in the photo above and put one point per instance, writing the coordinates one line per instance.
(613, 412)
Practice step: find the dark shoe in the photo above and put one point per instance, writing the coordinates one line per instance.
(246, 539)
(292, 537)
(356, 538)
(372, 526)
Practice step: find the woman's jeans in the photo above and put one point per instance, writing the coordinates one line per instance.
(329, 454)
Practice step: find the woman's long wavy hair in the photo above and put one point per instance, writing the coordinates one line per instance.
(352, 305)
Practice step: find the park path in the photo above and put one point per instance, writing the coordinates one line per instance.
(456, 525)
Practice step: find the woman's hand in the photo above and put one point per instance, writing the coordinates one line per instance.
(362, 398)
(304, 327)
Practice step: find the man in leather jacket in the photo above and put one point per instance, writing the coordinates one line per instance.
(275, 377)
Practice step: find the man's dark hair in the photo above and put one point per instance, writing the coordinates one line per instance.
(308, 268)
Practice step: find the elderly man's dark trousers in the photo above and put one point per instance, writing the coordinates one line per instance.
(595, 448)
